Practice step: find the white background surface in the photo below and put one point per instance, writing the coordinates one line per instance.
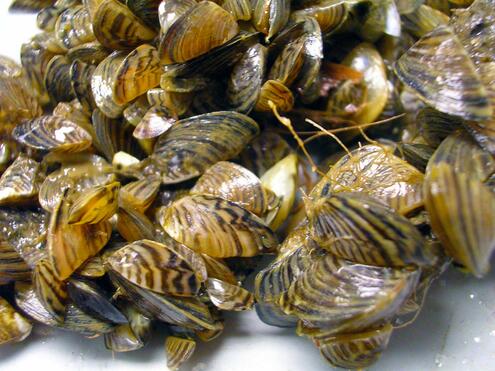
(455, 331)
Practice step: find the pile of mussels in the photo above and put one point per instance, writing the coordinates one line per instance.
(151, 151)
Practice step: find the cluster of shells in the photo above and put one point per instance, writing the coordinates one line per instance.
(152, 151)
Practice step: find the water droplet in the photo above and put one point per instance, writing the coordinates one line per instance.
(440, 360)
(471, 296)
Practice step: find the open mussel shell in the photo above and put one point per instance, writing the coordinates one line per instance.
(94, 205)
(235, 183)
(75, 319)
(51, 291)
(52, 133)
(12, 265)
(155, 122)
(138, 72)
(193, 144)
(355, 351)
(363, 230)
(237, 232)
(246, 79)
(281, 180)
(13, 327)
(168, 268)
(178, 351)
(226, 296)
(102, 81)
(376, 171)
(131, 336)
(329, 296)
(190, 313)
(270, 16)
(181, 42)
(70, 245)
(116, 27)
(89, 298)
(441, 72)
(20, 182)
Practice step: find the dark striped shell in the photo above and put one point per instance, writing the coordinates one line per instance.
(73, 27)
(217, 227)
(155, 122)
(57, 79)
(178, 351)
(52, 133)
(95, 205)
(21, 181)
(13, 327)
(80, 76)
(139, 195)
(164, 268)
(226, 296)
(50, 290)
(193, 144)
(12, 265)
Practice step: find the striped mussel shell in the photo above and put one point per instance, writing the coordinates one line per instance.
(356, 350)
(425, 19)
(75, 319)
(363, 230)
(95, 205)
(138, 72)
(337, 296)
(131, 336)
(376, 171)
(146, 10)
(57, 79)
(217, 60)
(139, 195)
(116, 27)
(237, 232)
(171, 10)
(88, 172)
(217, 268)
(50, 290)
(91, 299)
(102, 82)
(12, 265)
(246, 79)
(80, 76)
(264, 151)
(134, 225)
(52, 133)
(278, 94)
(416, 154)
(272, 315)
(234, 183)
(441, 72)
(90, 53)
(330, 15)
(70, 245)
(14, 327)
(435, 126)
(461, 207)
(47, 17)
(182, 42)
(156, 121)
(226, 296)
(240, 9)
(21, 182)
(194, 144)
(166, 268)
(73, 27)
(374, 19)
(92, 268)
(190, 313)
(178, 351)
(270, 16)
(10, 68)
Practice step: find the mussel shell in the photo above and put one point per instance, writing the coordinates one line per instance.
(10, 68)
(154, 123)
(178, 351)
(193, 144)
(13, 327)
(435, 126)
(186, 312)
(12, 265)
(88, 297)
(73, 27)
(169, 268)
(91, 53)
(80, 75)
(191, 220)
(51, 292)
(116, 27)
(47, 17)
(17, 103)
(52, 133)
(240, 9)
(57, 79)
(232, 182)
(273, 316)
(181, 42)
(75, 319)
(139, 195)
(30, 6)
(134, 225)
(330, 15)
(226, 296)
(416, 154)
(20, 182)
(137, 73)
(216, 268)
(171, 10)
(354, 351)
(146, 10)
(277, 93)
(94, 205)
(270, 16)
(246, 79)
(425, 19)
